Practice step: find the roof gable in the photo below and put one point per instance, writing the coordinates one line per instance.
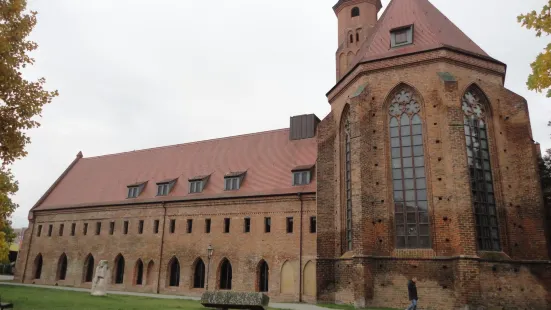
(432, 30)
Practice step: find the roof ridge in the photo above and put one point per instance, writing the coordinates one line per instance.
(189, 143)
(450, 22)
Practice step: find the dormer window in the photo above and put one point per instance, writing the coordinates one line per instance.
(134, 190)
(401, 36)
(232, 181)
(355, 11)
(164, 187)
(302, 175)
(198, 183)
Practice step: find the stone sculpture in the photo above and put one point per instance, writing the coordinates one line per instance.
(99, 285)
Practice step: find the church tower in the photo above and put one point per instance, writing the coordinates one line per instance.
(356, 21)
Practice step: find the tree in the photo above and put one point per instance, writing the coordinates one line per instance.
(540, 79)
(21, 100)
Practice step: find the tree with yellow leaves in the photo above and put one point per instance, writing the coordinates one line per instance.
(540, 79)
(21, 100)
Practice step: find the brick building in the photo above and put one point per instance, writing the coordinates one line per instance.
(424, 167)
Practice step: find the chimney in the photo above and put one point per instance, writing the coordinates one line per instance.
(303, 126)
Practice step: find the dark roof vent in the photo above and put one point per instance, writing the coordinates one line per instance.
(303, 126)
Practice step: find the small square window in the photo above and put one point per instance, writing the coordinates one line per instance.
(156, 226)
(73, 229)
(232, 184)
(61, 227)
(50, 228)
(301, 177)
(85, 229)
(267, 224)
(163, 189)
(140, 227)
(133, 191)
(313, 224)
(207, 226)
(195, 187)
(39, 231)
(172, 226)
(289, 225)
(125, 228)
(401, 36)
(247, 225)
(189, 226)
(98, 228)
(226, 225)
(111, 228)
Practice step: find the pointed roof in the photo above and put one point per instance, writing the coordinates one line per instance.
(432, 30)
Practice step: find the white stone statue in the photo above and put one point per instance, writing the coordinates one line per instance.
(99, 285)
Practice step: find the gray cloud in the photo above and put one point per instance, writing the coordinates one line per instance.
(137, 74)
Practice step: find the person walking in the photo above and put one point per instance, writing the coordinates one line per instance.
(412, 292)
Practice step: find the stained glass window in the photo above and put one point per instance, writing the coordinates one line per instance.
(408, 172)
(480, 171)
(348, 181)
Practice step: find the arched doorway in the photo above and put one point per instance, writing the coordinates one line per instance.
(309, 281)
(174, 272)
(138, 273)
(199, 274)
(149, 276)
(38, 266)
(263, 273)
(119, 269)
(225, 275)
(287, 279)
(61, 267)
(89, 268)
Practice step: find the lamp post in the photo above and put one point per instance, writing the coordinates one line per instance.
(209, 255)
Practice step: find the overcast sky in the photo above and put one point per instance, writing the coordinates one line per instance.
(137, 74)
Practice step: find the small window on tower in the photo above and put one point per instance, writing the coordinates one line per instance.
(351, 38)
(355, 11)
(401, 36)
(357, 36)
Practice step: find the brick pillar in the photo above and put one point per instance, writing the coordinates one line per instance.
(467, 283)
(462, 220)
(326, 209)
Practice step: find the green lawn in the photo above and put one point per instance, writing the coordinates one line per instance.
(29, 298)
(349, 307)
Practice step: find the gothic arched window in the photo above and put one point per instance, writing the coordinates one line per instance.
(408, 171)
(347, 178)
(199, 274)
(225, 275)
(355, 11)
(263, 272)
(119, 269)
(174, 272)
(474, 105)
(89, 268)
(62, 267)
(138, 272)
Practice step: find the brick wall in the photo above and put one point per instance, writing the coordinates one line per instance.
(452, 223)
(243, 250)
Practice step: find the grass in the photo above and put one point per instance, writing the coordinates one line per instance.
(30, 298)
(349, 307)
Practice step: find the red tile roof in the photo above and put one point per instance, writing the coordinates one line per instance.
(268, 157)
(432, 30)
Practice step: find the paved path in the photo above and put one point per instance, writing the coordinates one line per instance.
(273, 305)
